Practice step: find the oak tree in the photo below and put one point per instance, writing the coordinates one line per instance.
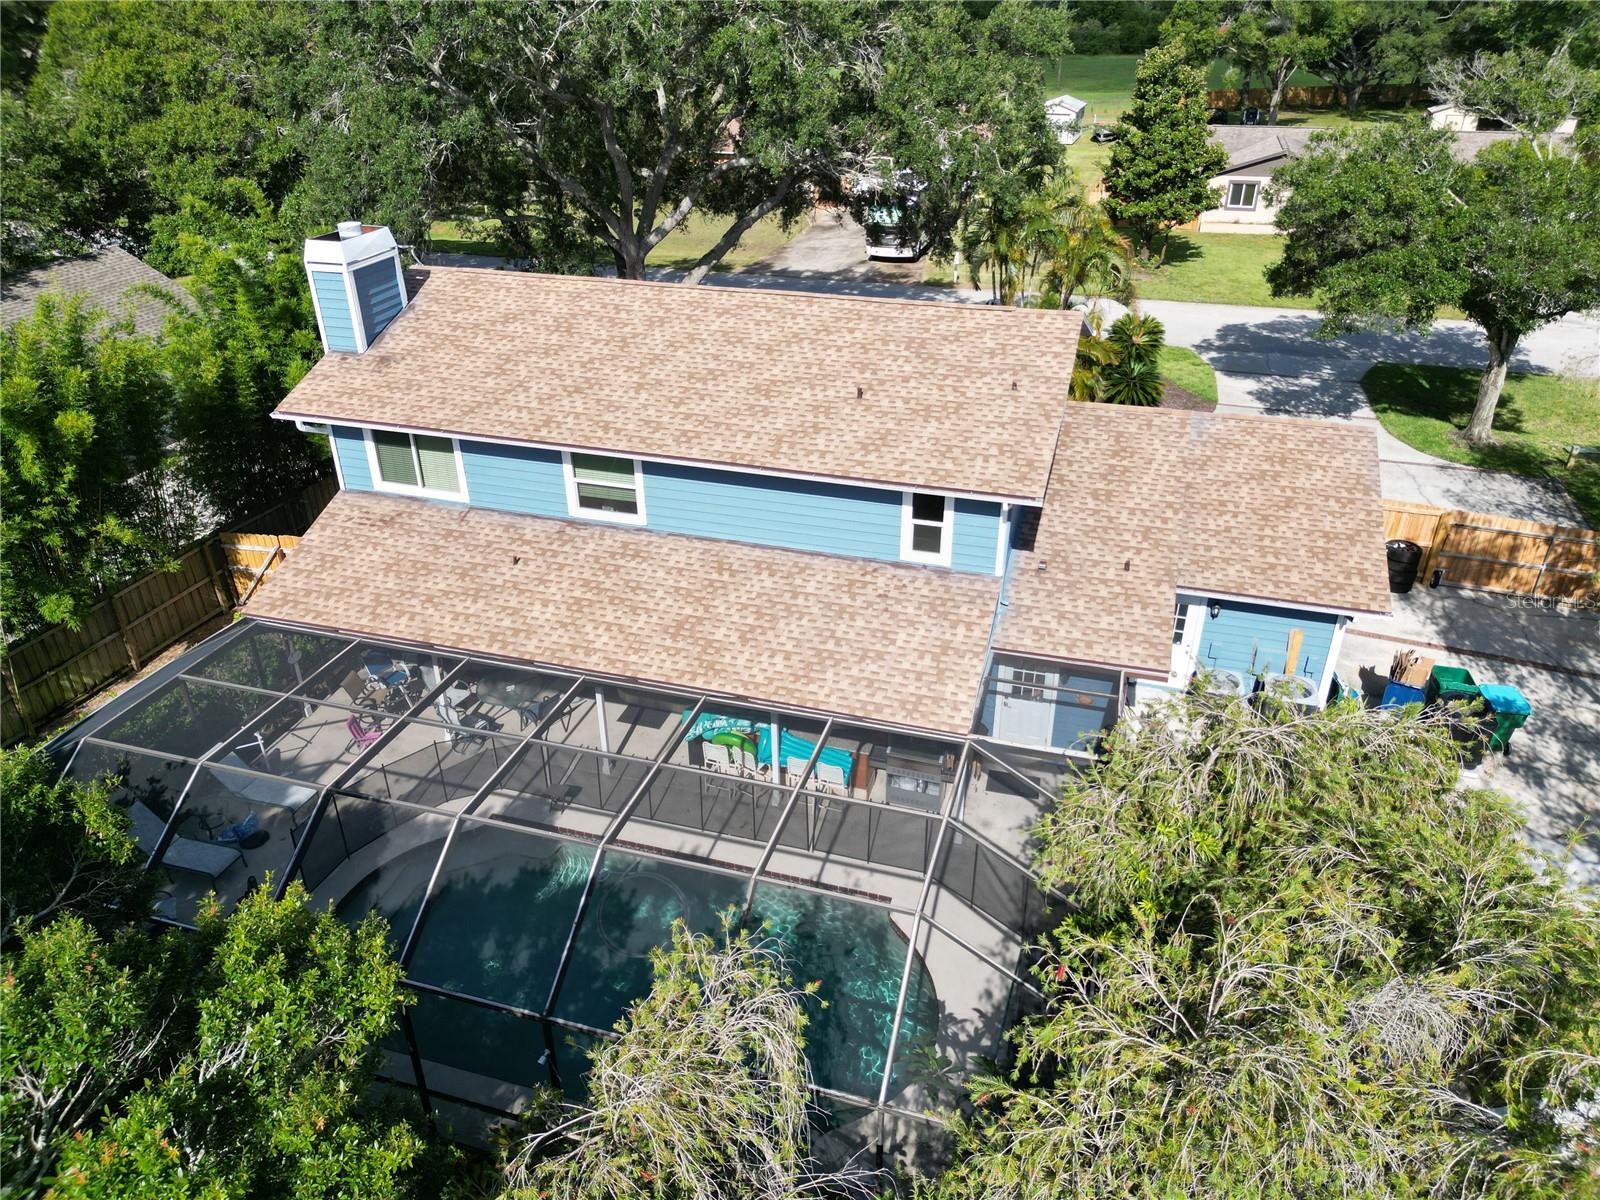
(1385, 226)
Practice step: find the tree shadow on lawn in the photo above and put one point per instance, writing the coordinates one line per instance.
(1181, 249)
(1448, 395)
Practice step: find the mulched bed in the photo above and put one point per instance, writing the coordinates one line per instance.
(1173, 396)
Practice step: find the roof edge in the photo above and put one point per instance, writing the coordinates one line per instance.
(283, 413)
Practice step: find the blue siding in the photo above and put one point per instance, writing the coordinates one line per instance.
(378, 294)
(334, 302)
(768, 511)
(977, 535)
(517, 479)
(764, 510)
(351, 447)
(1253, 638)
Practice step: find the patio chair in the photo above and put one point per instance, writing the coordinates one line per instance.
(183, 853)
(473, 726)
(361, 734)
(794, 770)
(716, 757)
(828, 778)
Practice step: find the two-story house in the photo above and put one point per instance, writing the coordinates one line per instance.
(643, 603)
(878, 508)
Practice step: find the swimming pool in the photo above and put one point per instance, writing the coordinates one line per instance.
(506, 902)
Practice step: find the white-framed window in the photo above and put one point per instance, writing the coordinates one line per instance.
(416, 464)
(604, 487)
(1180, 619)
(927, 522)
(1029, 685)
(1242, 193)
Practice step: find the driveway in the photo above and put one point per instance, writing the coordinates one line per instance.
(1552, 767)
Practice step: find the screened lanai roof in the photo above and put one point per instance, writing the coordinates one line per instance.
(530, 834)
(889, 642)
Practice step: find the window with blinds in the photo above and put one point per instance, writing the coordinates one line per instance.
(601, 485)
(416, 461)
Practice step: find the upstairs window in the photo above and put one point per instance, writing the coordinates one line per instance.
(611, 489)
(415, 463)
(1242, 193)
(925, 520)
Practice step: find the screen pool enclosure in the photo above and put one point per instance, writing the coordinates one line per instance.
(530, 834)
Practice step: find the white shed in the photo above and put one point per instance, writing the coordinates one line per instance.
(1066, 116)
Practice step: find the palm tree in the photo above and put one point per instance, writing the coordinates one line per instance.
(995, 236)
(1135, 376)
(1083, 253)
(1095, 354)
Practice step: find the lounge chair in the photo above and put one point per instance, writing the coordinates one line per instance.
(184, 854)
(278, 793)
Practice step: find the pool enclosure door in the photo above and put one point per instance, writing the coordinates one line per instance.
(1025, 703)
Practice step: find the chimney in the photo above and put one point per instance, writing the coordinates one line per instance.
(357, 284)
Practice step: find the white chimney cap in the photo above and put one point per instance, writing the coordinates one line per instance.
(350, 229)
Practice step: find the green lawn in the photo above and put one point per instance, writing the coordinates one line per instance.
(1188, 370)
(451, 237)
(1539, 416)
(1217, 268)
(680, 249)
(683, 247)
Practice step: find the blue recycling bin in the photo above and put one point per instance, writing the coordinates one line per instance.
(1397, 694)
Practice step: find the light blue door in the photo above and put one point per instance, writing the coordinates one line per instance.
(1024, 709)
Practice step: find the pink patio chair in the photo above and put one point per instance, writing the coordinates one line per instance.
(360, 736)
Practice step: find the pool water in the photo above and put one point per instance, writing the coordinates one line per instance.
(500, 921)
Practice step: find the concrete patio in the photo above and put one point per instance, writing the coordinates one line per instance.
(1552, 766)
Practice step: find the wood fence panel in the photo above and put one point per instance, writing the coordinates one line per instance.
(1417, 523)
(1500, 554)
(1576, 553)
(48, 673)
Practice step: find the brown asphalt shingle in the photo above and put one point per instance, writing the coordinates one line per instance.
(877, 641)
(952, 397)
(1145, 502)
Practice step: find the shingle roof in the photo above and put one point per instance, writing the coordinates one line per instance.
(952, 397)
(1145, 502)
(878, 641)
(104, 275)
(1248, 144)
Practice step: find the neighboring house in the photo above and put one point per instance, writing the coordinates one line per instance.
(643, 602)
(1254, 155)
(1066, 114)
(106, 277)
(1459, 120)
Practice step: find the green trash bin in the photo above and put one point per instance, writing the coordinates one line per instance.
(1450, 683)
(1509, 711)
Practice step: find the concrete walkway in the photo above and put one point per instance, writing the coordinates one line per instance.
(1552, 767)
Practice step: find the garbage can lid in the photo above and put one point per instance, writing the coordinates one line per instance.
(1504, 698)
(1400, 544)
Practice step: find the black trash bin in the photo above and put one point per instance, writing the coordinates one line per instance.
(1404, 559)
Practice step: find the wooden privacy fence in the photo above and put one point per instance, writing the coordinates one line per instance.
(1315, 96)
(45, 675)
(1500, 554)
